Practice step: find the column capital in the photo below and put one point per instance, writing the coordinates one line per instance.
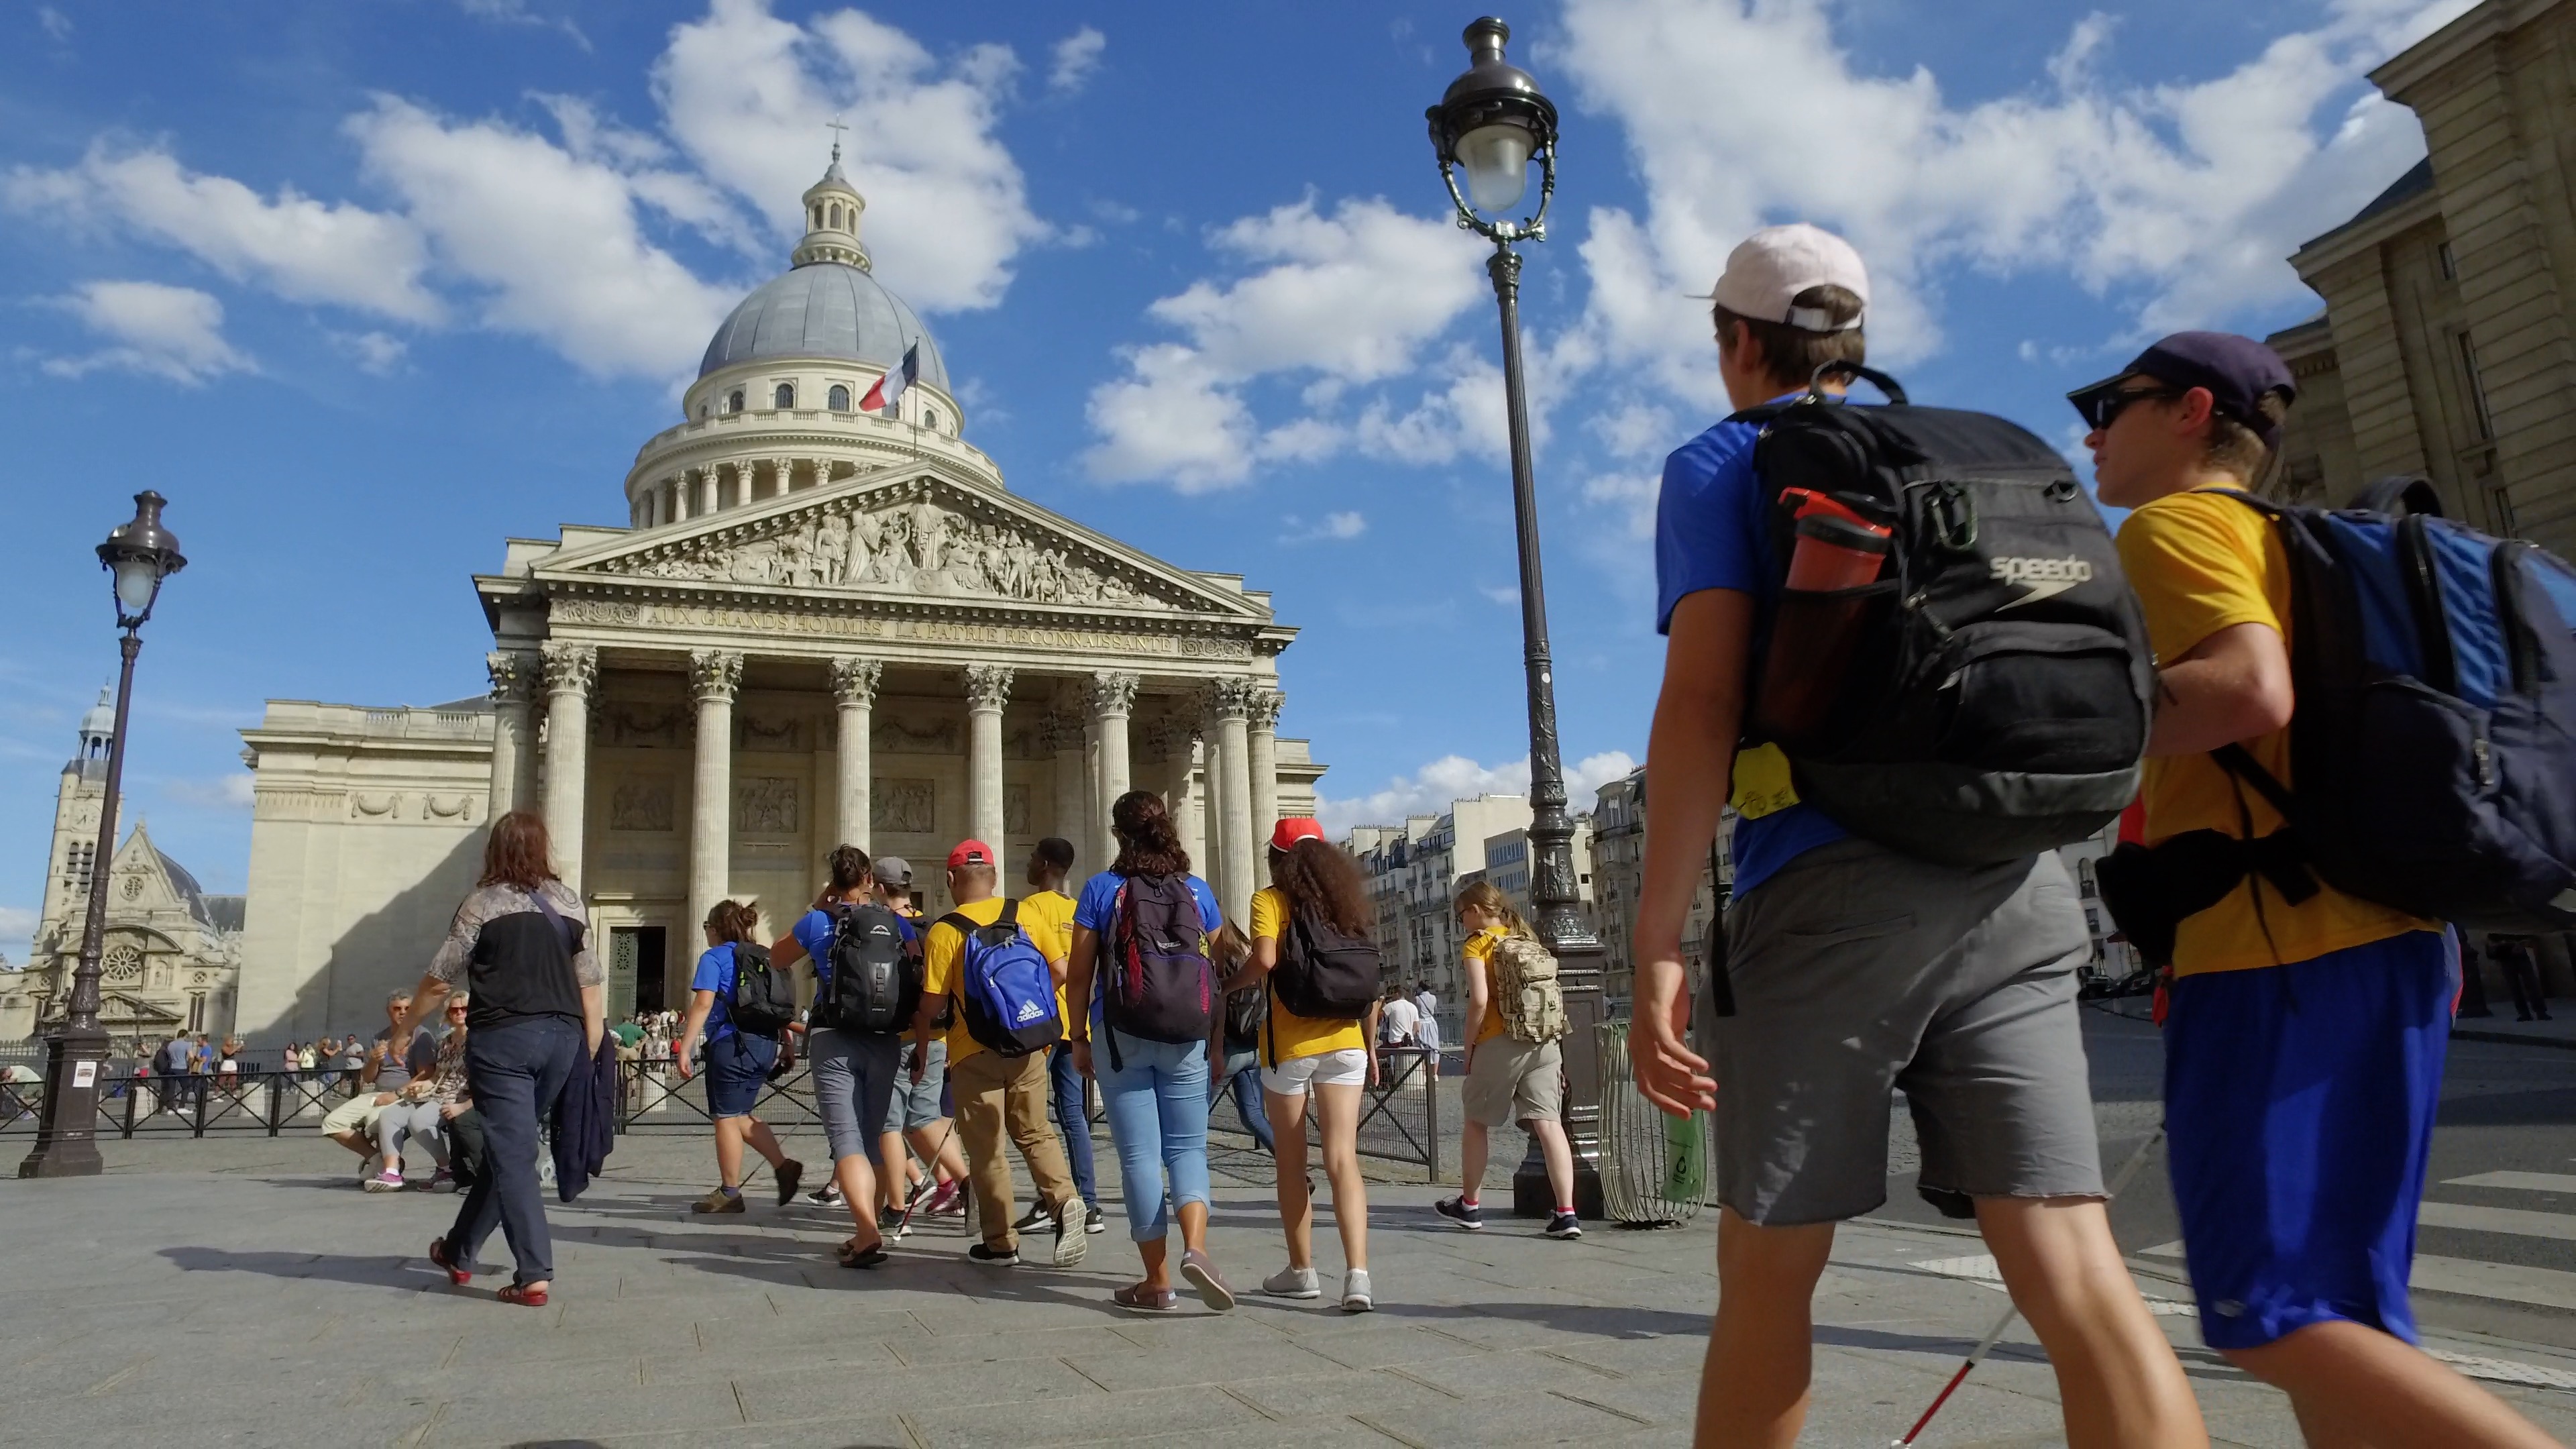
(988, 687)
(1229, 699)
(854, 680)
(1113, 691)
(570, 668)
(714, 675)
(1266, 704)
(514, 675)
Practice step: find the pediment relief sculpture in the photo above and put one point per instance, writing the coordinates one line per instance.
(899, 539)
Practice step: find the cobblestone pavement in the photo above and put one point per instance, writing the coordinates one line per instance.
(243, 1292)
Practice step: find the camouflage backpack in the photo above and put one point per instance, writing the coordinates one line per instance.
(1526, 995)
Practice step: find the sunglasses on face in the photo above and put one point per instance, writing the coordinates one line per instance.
(2103, 408)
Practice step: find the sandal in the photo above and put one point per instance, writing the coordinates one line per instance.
(851, 1255)
(523, 1295)
(1137, 1298)
(438, 1255)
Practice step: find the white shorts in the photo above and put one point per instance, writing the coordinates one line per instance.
(1347, 1067)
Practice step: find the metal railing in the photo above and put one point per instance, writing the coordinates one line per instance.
(142, 1106)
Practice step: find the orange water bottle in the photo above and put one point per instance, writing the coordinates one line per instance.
(1816, 630)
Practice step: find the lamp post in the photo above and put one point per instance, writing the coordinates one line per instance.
(139, 554)
(1492, 123)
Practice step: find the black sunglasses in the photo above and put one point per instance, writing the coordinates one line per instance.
(2103, 408)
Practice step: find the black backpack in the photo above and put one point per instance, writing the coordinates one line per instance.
(1245, 1010)
(1321, 974)
(764, 998)
(1997, 697)
(876, 976)
(1156, 982)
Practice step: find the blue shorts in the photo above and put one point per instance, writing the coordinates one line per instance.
(737, 1068)
(2299, 1101)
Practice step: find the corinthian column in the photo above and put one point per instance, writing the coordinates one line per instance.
(1187, 799)
(854, 689)
(1113, 700)
(988, 688)
(571, 670)
(1073, 790)
(1262, 761)
(1230, 700)
(514, 729)
(714, 675)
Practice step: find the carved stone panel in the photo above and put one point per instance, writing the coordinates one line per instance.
(646, 803)
(777, 732)
(909, 735)
(631, 722)
(764, 805)
(1015, 810)
(903, 807)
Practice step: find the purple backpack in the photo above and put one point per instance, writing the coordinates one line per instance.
(1156, 983)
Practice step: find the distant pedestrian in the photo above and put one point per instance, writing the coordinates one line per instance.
(738, 1062)
(538, 1007)
(1050, 864)
(1515, 1070)
(2520, 964)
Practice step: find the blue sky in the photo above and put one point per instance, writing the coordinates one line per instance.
(367, 287)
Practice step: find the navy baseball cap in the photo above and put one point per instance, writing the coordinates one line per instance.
(2236, 370)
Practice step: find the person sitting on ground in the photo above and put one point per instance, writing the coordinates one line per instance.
(415, 1111)
(738, 1064)
(382, 1076)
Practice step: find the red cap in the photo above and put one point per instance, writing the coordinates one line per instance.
(1293, 829)
(970, 852)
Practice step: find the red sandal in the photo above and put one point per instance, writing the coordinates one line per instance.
(523, 1295)
(438, 1255)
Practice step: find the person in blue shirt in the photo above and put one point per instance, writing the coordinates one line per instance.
(1854, 969)
(738, 1064)
(1156, 1093)
(854, 1071)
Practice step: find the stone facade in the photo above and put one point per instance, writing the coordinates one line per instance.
(2446, 348)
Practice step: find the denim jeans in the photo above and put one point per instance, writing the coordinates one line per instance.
(1243, 1078)
(514, 1071)
(1157, 1096)
(1072, 1121)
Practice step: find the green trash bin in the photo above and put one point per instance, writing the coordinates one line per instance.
(1654, 1166)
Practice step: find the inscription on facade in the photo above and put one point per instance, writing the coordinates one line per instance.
(781, 622)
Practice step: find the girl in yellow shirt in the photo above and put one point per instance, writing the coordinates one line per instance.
(1328, 1059)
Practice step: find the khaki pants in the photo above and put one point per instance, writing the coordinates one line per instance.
(993, 1093)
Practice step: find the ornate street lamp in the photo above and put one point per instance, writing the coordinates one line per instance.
(1492, 123)
(139, 554)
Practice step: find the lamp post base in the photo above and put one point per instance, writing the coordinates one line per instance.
(67, 1124)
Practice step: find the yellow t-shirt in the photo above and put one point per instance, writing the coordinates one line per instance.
(1057, 909)
(942, 947)
(1479, 950)
(2201, 563)
(1292, 1036)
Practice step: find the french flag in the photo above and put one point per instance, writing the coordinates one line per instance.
(890, 386)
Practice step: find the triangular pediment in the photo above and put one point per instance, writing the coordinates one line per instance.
(917, 536)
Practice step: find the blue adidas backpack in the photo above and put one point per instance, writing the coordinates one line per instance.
(1005, 986)
(2436, 679)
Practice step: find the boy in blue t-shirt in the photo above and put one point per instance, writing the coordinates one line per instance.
(1855, 970)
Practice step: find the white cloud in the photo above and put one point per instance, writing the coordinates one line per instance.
(1431, 789)
(2186, 196)
(1336, 527)
(161, 331)
(56, 24)
(515, 12)
(224, 792)
(746, 96)
(379, 354)
(302, 249)
(1624, 503)
(1342, 300)
(1075, 58)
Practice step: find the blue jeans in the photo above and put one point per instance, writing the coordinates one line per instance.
(1072, 1121)
(1158, 1109)
(1243, 1077)
(514, 1071)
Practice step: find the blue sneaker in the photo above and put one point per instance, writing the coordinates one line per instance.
(1468, 1215)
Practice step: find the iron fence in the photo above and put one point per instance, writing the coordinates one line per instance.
(136, 1105)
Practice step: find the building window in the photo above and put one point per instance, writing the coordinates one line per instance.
(839, 398)
(2477, 386)
(836, 215)
(733, 401)
(930, 418)
(702, 410)
(784, 396)
(2450, 264)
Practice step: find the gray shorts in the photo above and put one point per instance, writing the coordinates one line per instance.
(1857, 971)
(910, 1106)
(853, 1084)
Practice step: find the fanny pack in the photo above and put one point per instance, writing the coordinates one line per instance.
(2150, 889)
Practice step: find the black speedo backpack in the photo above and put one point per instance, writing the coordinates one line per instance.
(1994, 696)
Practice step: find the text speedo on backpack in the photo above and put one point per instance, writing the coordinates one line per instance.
(764, 998)
(1996, 702)
(2431, 762)
(876, 978)
(1156, 982)
(1004, 984)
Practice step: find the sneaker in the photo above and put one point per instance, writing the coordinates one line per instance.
(948, 1201)
(718, 1201)
(788, 1175)
(993, 1258)
(368, 1169)
(1465, 1214)
(1069, 1244)
(1292, 1283)
(1201, 1272)
(828, 1195)
(1564, 1225)
(385, 1181)
(1036, 1214)
(1093, 1222)
(1355, 1292)
(440, 1181)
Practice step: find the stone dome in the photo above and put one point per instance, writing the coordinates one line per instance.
(824, 309)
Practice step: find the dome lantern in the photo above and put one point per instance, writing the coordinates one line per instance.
(832, 207)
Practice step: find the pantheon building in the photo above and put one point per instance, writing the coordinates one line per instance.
(820, 624)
